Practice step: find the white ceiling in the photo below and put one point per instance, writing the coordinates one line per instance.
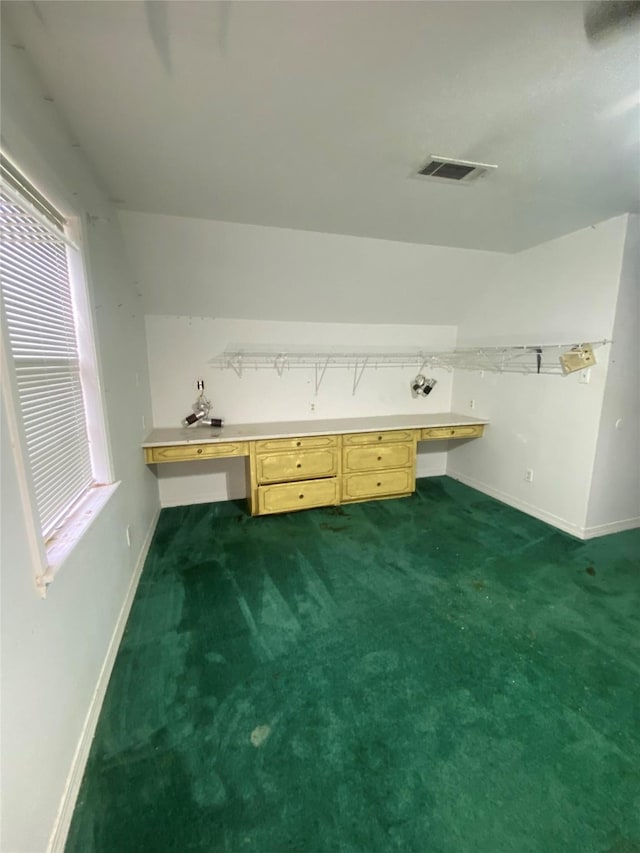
(314, 115)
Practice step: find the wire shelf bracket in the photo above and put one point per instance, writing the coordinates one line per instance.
(319, 374)
(357, 376)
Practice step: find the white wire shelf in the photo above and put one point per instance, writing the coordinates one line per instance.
(542, 359)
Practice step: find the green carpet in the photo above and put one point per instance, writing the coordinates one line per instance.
(440, 674)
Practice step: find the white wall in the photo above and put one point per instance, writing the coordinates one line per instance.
(53, 650)
(195, 267)
(614, 501)
(289, 288)
(561, 291)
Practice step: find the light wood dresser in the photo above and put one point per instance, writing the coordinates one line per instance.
(304, 464)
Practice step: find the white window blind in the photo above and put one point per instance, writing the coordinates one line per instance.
(38, 308)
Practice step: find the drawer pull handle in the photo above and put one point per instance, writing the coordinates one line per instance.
(379, 458)
(453, 432)
(199, 450)
(299, 465)
(298, 443)
(379, 438)
(300, 496)
(378, 484)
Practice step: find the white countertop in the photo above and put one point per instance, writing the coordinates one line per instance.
(166, 436)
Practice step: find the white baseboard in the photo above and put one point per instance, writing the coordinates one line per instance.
(611, 527)
(423, 469)
(430, 472)
(548, 517)
(187, 500)
(523, 506)
(62, 823)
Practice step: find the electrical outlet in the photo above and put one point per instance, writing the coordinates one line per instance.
(528, 475)
(585, 376)
(200, 384)
(472, 404)
(312, 407)
(128, 534)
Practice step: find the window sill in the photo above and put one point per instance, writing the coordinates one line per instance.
(60, 546)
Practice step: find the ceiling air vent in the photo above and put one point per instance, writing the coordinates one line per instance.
(453, 171)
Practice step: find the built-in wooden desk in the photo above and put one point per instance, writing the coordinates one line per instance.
(301, 464)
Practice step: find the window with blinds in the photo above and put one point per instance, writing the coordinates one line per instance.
(40, 327)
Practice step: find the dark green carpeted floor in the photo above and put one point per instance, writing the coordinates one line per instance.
(440, 674)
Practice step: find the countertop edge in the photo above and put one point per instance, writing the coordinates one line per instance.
(233, 433)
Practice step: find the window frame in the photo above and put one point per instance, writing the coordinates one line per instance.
(48, 555)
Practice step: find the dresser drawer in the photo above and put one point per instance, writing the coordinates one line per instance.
(377, 437)
(276, 467)
(467, 431)
(186, 452)
(285, 497)
(357, 487)
(381, 456)
(281, 444)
